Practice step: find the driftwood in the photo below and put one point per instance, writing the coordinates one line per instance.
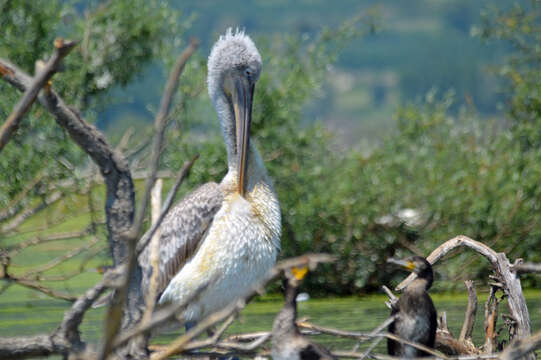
(503, 269)
(61, 49)
(120, 201)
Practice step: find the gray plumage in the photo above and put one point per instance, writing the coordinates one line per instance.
(225, 235)
(416, 317)
(181, 233)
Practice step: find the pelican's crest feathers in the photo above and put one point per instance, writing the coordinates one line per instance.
(233, 49)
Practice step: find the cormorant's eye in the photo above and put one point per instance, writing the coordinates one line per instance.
(248, 72)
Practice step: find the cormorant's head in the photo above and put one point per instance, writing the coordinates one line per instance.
(416, 264)
(292, 280)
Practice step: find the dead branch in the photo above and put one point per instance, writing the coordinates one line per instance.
(160, 123)
(181, 343)
(392, 298)
(55, 262)
(523, 268)
(158, 318)
(14, 205)
(66, 337)
(377, 340)
(114, 168)
(214, 338)
(155, 209)
(61, 49)
(31, 346)
(502, 267)
(520, 347)
(45, 239)
(331, 331)
(471, 311)
(36, 285)
(30, 211)
(143, 242)
(120, 202)
(242, 347)
(491, 317)
(131, 290)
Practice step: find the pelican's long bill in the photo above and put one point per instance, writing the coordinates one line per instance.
(243, 93)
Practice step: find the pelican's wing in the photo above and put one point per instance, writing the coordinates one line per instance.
(181, 233)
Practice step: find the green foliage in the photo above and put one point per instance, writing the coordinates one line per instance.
(521, 28)
(116, 41)
(462, 175)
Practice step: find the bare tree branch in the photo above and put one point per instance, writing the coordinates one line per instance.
(61, 49)
(44, 239)
(131, 289)
(14, 205)
(35, 285)
(143, 242)
(158, 318)
(523, 268)
(181, 343)
(512, 287)
(160, 123)
(471, 311)
(61, 259)
(114, 168)
(520, 347)
(31, 346)
(30, 211)
(155, 207)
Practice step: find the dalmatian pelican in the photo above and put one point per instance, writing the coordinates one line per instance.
(226, 234)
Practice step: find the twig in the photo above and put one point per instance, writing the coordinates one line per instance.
(520, 347)
(229, 345)
(13, 207)
(376, 341)
(491, 317)
(471, 311)
(112, 325)
(214, 338)
(61, 259)
(44, 239)
(415, 345)
(311, 260)
(181, 343)
(334, 332)
(528, 267)
(61, 49)
(35, 285)
(513, 289)
(28, 212)
(392, 298)
(155, 207)
(143, 242)
(159, 125)
(159, 318)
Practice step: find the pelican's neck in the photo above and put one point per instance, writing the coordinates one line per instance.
(255, 169)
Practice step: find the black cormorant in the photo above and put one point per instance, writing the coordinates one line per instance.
(415, 313)
(287, 341)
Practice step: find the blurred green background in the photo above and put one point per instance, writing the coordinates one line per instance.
(388, 127)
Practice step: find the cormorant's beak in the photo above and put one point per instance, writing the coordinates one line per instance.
(408, 265)
(299, 273)
(243, 92)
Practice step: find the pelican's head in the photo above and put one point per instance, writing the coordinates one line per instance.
(234, 65)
